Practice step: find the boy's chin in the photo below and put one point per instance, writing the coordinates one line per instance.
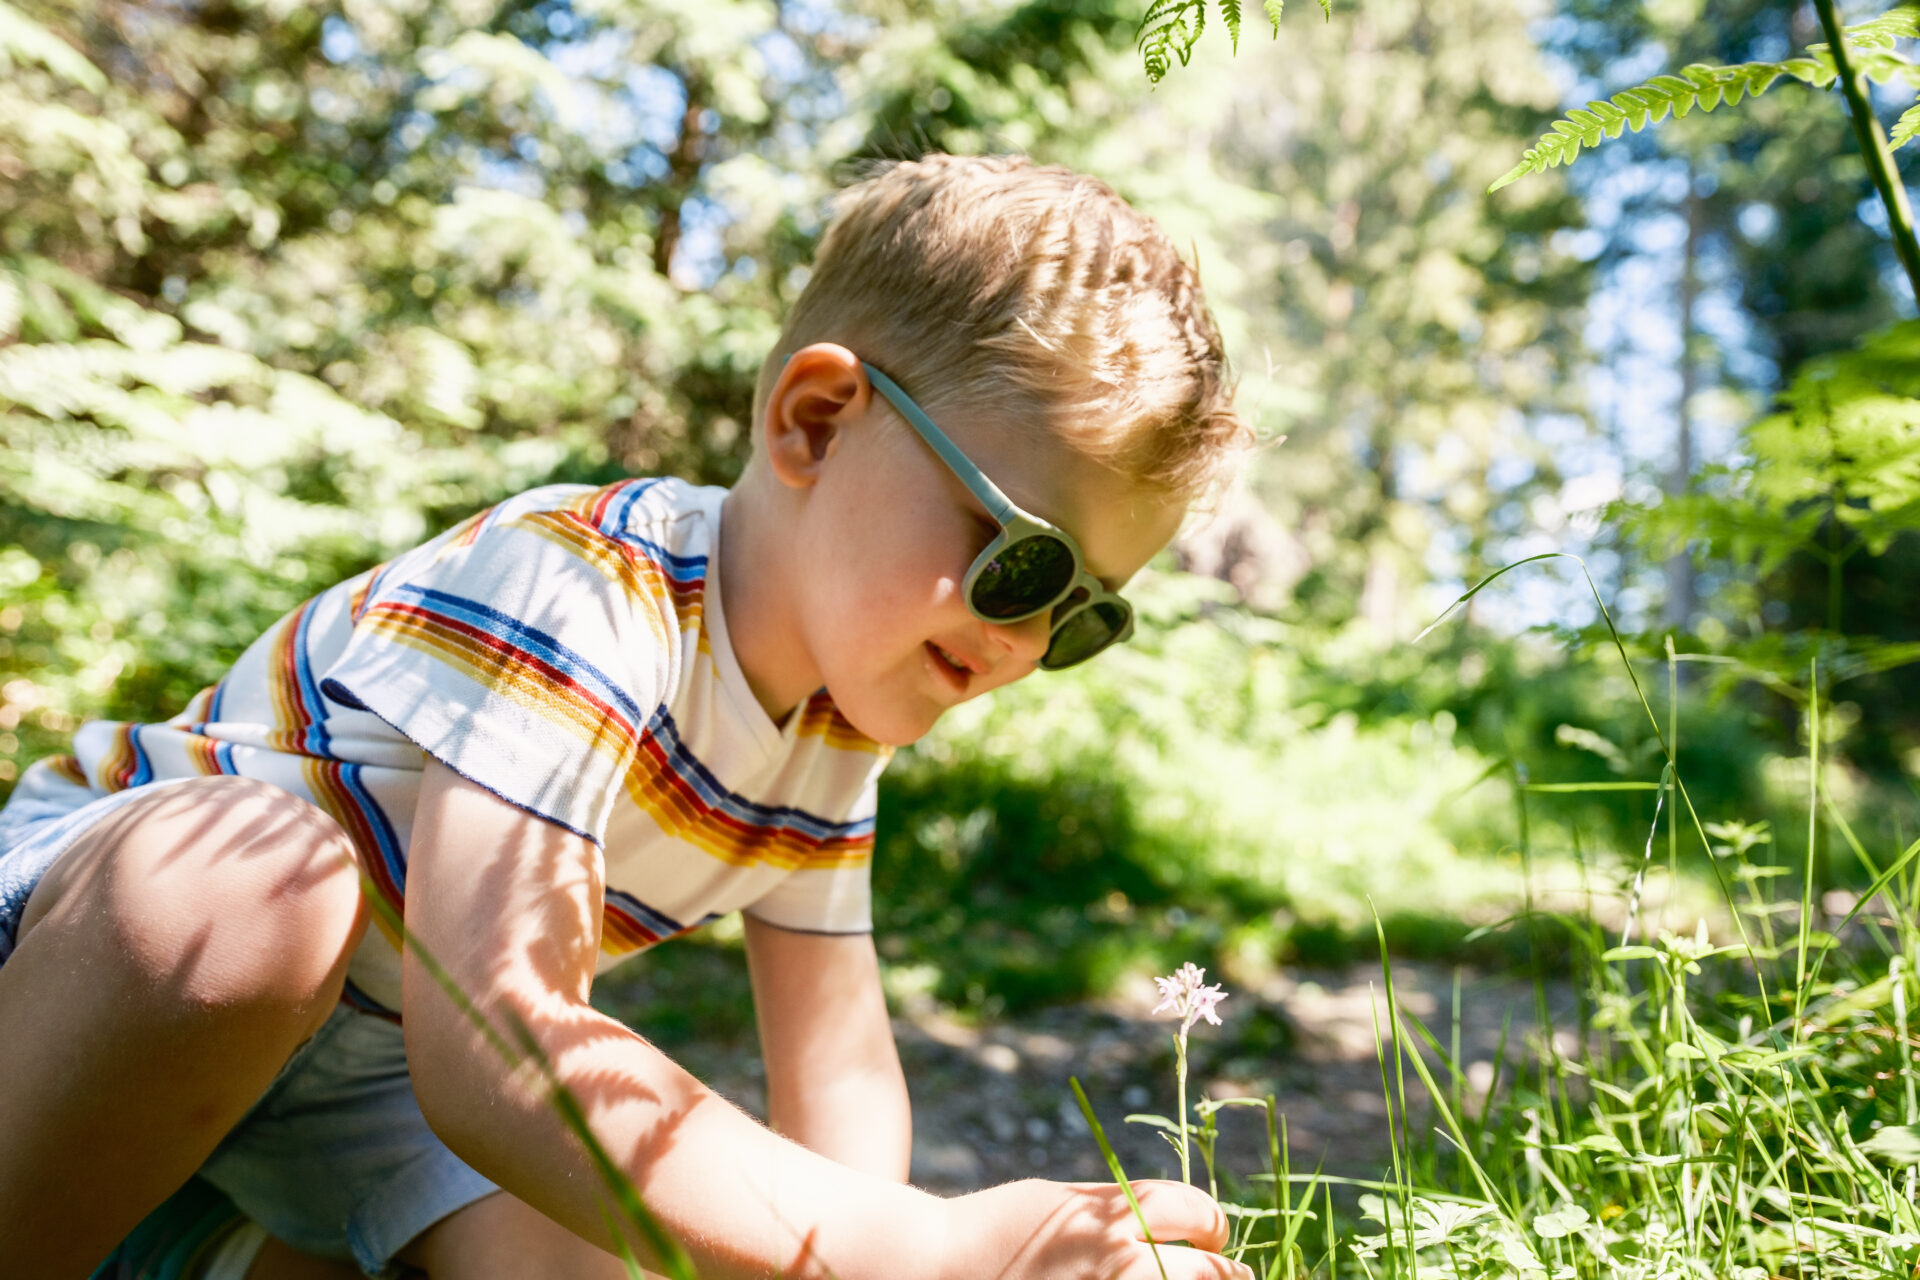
(889, 726)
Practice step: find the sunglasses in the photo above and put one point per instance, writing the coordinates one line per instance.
(1030, 566)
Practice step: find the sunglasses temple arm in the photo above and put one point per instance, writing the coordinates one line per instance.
(997, 504)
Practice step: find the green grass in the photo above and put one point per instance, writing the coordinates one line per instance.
(1739, 1103)
(1686, 1125)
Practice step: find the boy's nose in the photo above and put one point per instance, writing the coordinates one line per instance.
(1027, 640)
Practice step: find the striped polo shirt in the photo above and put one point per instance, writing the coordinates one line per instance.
(567, 650)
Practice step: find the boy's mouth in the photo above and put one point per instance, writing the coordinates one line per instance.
(950, 670)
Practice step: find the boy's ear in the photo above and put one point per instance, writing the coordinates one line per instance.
(820, 391)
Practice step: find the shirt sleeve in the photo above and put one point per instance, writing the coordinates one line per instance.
(525, 651)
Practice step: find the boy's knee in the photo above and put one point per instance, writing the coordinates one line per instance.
(234, 891)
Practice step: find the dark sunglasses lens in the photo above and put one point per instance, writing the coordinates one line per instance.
(1085, 634)
(1024, 578)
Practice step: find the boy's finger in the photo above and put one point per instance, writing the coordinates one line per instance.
(1175, 1211)
(1177, 1263)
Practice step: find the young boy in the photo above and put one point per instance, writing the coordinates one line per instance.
(549, 738)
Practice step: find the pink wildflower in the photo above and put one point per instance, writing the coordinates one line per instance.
(1188, 998)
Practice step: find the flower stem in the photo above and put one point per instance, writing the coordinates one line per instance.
(1180, 1074)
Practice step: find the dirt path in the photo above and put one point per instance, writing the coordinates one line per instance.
(992, 1103)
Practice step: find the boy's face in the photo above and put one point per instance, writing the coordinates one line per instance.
(885, 536)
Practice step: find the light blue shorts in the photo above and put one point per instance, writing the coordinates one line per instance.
(335, 1158)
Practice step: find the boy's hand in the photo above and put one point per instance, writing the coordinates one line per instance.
(1085, 1231)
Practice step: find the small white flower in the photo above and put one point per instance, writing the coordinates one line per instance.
(1188, 998)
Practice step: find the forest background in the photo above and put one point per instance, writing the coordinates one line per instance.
(285, 288)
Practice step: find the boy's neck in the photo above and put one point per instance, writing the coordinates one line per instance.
(759, 610)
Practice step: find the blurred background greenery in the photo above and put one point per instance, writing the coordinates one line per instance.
(285, 287)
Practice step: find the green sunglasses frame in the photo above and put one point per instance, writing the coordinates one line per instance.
(1015, 526)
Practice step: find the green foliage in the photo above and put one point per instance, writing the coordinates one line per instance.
(1237, 792)
(1843, 449)
(1830, 480)
(1158, 805)
(1422, 330)
(1695, 86)
(1171, 28)
(1730, 1099)
(1905, 128)
(1705, 87)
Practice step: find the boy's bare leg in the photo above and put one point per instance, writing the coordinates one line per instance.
(167, 965)
(503, 1236)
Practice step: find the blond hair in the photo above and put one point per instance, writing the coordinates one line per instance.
(995, 288)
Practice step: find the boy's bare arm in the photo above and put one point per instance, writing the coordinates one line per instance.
(834, 1082)
(510, 905)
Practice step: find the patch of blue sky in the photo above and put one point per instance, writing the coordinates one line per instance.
(410, 129)
(825, 17)
(495, 171)
(659, 101)
(786, 64)
(339, 42)
(700, 257)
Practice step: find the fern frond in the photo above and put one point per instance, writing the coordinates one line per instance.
(1872, 43)
(1906, 128)
(1171, 29)
(1883, 66)
(1155, 13)
(1695, 86)
(1881, 32)
(1166, 34)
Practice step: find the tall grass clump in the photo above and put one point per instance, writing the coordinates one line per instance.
(1736, 1100)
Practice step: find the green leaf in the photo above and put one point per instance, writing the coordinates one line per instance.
(1881, 32)
(1698, 85)
(1635, 952)
(1113, 1167)
(1519, 1256)
(23, 40)
(1603, 1142)
(1169, 30)
(1906, 127)
(1613, 119)
(1896, 1144)
(1563, 1221)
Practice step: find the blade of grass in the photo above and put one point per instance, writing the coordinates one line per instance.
(626, 1196)
(1640, 694)
(1402, 1176)
(1813, 836)
(1119, 1174)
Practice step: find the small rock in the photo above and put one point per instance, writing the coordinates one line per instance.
(952, 1162)
(1000, 1057)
